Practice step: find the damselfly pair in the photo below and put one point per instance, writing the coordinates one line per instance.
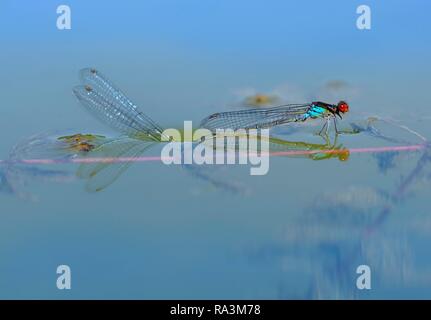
(113, 107)
(104, 100)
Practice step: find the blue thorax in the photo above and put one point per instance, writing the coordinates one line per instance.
(314, 112)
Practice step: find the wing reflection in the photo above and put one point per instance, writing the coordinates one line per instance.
(103, 151)
(341, 229)
(100, 175)
(15, 176)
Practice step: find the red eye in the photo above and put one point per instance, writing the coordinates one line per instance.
(343, 107)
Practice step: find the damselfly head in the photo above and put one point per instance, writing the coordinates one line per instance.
(342, 107)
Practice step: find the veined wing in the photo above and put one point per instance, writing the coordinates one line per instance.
(50, 145)
(110, 105)
(255, 118)
(100, 175)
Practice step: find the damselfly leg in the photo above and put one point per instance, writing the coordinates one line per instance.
(353, 130)
(335, 126)
(325, 127)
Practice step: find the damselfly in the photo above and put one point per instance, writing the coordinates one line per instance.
(112, 106)
(104, 100)
(260, 118)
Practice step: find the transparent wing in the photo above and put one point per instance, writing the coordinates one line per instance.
(112, 106)
(255, 118)
(100, 175)
(51, 145)
(34, 147)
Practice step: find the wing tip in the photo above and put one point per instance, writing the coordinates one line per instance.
(205, 121)
(86, 73)
(82, 91)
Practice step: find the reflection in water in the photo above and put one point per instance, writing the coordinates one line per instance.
(101, 174)
(317, 151)
(321, 248)
(109, 157)
(386, 161)
(218, 177)
(342, 229)
(336, 88)
(289, 93)
(53, 149)
(261, 100)
(109, 104)
(140, 132)
(81, 143)
(103, 99)
(15, 176)
(375, 127)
